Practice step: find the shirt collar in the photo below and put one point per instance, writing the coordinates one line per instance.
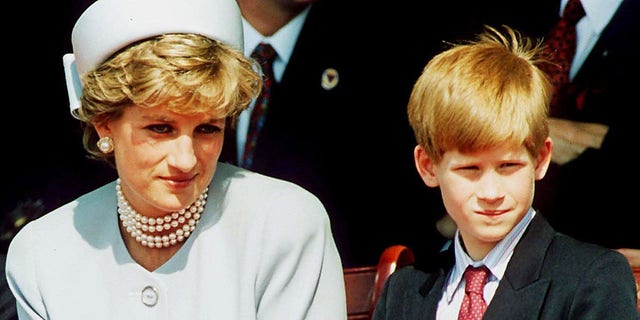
(496, 260)
(598, 13)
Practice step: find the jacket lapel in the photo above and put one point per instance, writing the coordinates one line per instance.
(424, 304)
(522, 291)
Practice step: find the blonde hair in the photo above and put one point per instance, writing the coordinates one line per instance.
(482, 93)
(187, 73)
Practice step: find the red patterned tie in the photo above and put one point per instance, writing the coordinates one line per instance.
(265, 55)
(561, 44)
(473, 304)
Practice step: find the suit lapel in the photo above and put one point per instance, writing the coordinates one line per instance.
(522, 291)
(424, 303)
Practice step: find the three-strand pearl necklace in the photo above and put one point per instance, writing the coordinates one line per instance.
(142, 228)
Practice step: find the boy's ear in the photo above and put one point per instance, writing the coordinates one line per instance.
(544, 159)
(425, 166)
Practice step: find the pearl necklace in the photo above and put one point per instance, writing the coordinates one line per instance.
(138, 225)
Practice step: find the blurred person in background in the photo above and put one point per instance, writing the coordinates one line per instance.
(336, 121)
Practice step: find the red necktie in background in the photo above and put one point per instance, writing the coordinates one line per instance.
(561, 44)
(265, 55)
(473, 304)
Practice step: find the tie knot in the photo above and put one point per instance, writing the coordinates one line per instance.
(264, 54)
(475, 278)
(573, 11)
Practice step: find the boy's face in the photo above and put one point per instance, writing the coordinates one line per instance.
(485, 192)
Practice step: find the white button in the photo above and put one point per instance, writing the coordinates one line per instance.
(149, 296)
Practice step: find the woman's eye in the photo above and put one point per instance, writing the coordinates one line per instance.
(208, 128)
(159, 128)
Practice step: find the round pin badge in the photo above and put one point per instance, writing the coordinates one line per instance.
(330, 79)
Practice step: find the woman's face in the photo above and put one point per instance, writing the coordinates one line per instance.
(164, 159)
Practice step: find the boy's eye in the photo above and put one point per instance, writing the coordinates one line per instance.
(510, 165)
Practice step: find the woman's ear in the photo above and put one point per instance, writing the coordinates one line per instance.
(544, 159)
(425, 166)
(102, 128)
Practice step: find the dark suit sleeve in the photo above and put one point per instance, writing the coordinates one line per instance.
(380, 311)
(607, 290)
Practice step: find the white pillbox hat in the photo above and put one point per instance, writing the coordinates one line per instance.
(109, 25)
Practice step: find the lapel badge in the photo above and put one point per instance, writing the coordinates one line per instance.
(330, 79)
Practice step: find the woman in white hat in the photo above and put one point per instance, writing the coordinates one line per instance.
(177, 235)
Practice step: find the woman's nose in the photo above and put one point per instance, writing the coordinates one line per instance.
(182, 154)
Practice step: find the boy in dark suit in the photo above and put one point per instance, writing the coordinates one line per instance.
(479, 112)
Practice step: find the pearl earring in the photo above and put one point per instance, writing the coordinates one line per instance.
(105, 144)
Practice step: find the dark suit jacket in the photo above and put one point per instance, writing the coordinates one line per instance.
(351, 145)
(550, 276)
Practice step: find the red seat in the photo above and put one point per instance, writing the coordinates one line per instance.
(364, 284)
(636, 274)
